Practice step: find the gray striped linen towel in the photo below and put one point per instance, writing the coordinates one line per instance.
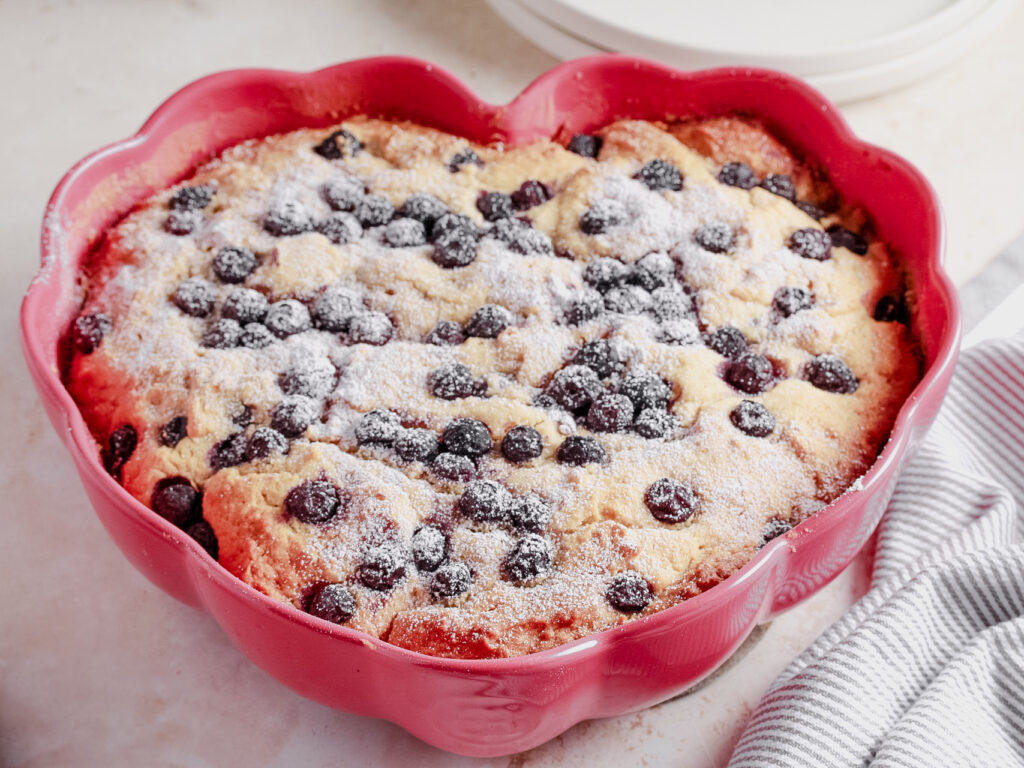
(927, 669)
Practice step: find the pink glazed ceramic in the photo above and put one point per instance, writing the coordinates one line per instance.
(489, 707)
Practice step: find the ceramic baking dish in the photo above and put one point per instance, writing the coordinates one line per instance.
(487, 707)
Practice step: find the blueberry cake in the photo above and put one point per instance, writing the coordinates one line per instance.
(478, 401)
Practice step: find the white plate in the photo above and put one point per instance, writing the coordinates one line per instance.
(854, 82)
(798, 36)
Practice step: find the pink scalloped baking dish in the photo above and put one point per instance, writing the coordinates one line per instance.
(488, 707)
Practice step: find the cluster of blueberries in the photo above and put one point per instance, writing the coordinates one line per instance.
(452, 455)
(592, 387)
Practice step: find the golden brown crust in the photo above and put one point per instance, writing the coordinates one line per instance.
(151, 368)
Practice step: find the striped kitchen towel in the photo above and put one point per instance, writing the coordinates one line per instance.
(927, 670)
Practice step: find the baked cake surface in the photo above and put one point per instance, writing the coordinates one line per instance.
(481, 400)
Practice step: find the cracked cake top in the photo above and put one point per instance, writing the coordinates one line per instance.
(482, 400)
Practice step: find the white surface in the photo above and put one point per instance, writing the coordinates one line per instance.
(694, 35)
(97, 667)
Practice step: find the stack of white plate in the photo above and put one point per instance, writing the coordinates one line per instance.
(848, 50)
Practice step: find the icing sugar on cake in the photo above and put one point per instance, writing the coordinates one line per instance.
(482, 400)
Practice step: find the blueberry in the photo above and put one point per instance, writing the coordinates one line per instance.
(293, 415)
(752, 418)
(335, 307)
(772, 530)
(338, 145)
(451, 466)
(255, 336)
(750, 373)
(528, 241)
(653, 271)
(447, 333)
(602, 216)
(314, 501)
(791, 299)
(233, 264)
(424, 208)
(229, 452)
(195, 297)
(531, 193)
(223, 334)
(892, 309)
(174, 431)
(671, 304)
(810, 209)
(521, 443)
(601, 356)
(728, 341)
(464, 157)
(455, 249)
(494, 205)
(374, 211)
(343, 193)
(120, 447)
(192, 198)
(264, 442)
(416, 445)
(604, 274)
(653, 423)
(333, 603)
(585, 145)
(670, 501)
(454, 380)
(628, 592)
(378, 427)
(660, 174)
(586, 305)
(508, 229)
(309, 377)
(202, 532)
(429, 548)
(577, 450)
(182, 223)
(738, 175)
(467, 437)
(380, 568)
(529, 558)
(374, 328)
(405, 233)
(450, 580)
(645, 390)
(831, 374)
(627, 300)
(610, 413)
(176, 501)
(287, 317)
(529, 512)
(811, 243)
(340, 228)
(245, 305)
(488, 322)
(485, 501)
(780, 184)
(715, 237)
(842, 237)
(243, 417)
(450, 222)
(575, 387)
(287, 218)
(88, 331)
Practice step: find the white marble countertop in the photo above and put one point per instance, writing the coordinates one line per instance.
(98, 667)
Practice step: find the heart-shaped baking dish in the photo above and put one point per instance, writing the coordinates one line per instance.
(488, 707)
